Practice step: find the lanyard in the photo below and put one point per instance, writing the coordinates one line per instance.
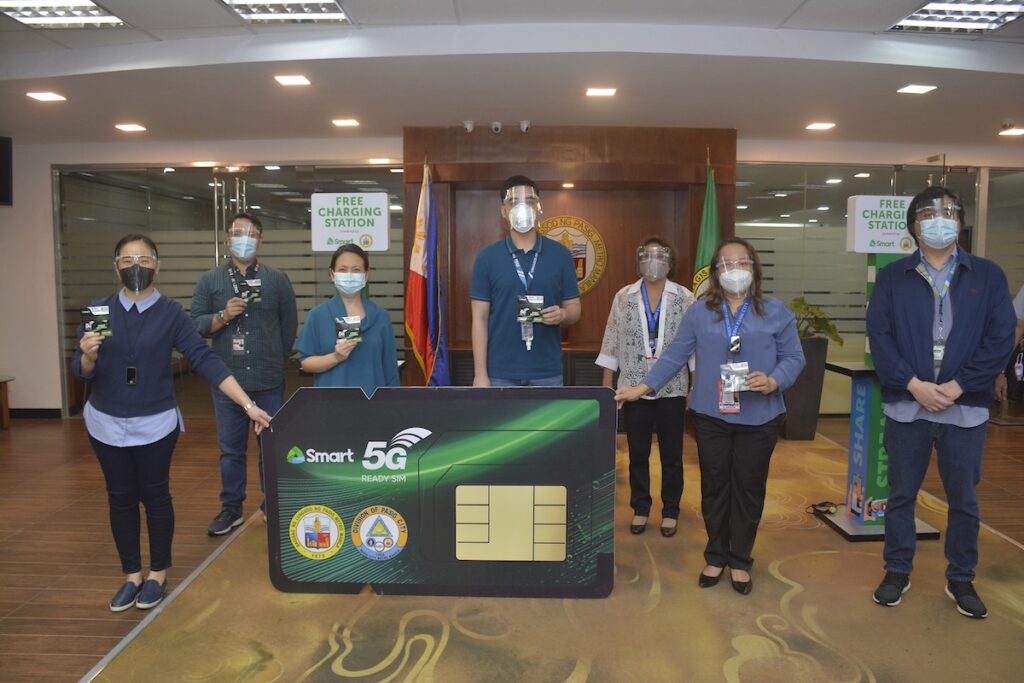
(652, 318)
(526, 279)
(733, 327)
(234, 275)
(940, 292)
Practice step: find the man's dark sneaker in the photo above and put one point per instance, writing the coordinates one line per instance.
(890, 592)
(967, 601)
(224, 522)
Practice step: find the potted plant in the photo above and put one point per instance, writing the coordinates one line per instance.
(803, 399)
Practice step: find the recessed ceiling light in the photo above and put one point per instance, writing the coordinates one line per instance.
(396, 170)
(345, 123)
(783, 215)
(292, 80)
(272, 168)
(380, 161)
(822, 208)
(212, 184)
(568, 186)
(46, 96)
(600, 92)
(232, 169)
(834, 181)
(916, 89)
(395, 207)
(130, 127)
(966, 16)
(204, 164)
(862, 175)
(168, 170)
(267, 186)
(188, 196)
(821, 125)
(288, 12)
(255, 206)
(780, 194)
(741, 206)
(61, 14)
(813, 220)
(1011, 129)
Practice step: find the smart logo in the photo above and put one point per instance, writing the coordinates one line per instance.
(391, 455)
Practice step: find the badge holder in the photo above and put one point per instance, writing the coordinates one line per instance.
(732, 380)
(938, 351)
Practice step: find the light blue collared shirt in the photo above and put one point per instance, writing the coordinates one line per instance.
(123, 432)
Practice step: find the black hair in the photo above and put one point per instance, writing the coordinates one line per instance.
(516, 181)
(247, 216)
(927, 196)
(350, 248)
(662, 242)
(135, 238)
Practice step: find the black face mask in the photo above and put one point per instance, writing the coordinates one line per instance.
(136, 278)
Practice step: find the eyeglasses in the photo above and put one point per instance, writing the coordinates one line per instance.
(128, 260)
(929, 212)
(735, 263)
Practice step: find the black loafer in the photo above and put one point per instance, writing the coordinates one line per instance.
(669, 531)
(637, 529)
(743, 587)
(705, 581)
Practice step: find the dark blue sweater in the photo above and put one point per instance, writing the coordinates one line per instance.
(900, 329)
(145, 342)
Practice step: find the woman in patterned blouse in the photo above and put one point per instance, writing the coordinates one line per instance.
(643, 320)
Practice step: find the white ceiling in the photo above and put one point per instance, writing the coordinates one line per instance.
(192, 70)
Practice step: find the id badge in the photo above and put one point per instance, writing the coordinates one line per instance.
(728, 401)
(938, 351)
(238, 345)
(1018, 367)
(529, 306)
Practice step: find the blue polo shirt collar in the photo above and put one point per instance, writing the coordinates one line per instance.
(538, 245)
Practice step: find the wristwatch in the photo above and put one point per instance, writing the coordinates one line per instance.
(220, 316)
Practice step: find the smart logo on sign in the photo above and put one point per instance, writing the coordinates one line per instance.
(295, 455)
(387, 457)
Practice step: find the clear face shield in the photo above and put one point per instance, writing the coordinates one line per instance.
(735, 275)
(653, 262)
(939, 222)
(523, 206)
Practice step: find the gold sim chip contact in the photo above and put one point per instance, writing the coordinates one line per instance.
(518, 523)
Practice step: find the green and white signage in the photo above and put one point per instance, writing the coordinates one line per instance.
(877, 224)
(363, 218)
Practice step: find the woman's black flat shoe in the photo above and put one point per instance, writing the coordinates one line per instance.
(705, 581)
(637, 529)
(743, 587)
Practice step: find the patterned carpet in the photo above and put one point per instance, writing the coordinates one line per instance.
(810, 616)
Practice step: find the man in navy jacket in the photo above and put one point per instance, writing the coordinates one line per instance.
(940, 326)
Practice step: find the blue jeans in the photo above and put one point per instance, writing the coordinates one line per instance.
(959, 451)
(233, 427)
(555, 381)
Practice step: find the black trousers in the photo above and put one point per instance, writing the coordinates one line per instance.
(134, 474)
(643, 418)
(734, 462)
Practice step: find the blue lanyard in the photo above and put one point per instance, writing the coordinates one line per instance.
(940, 292)
(731, 326)
(652, 318)
(525, 279)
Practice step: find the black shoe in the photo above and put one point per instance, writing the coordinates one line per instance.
(224, 522)
(890, 592)
(637, 527)
(707, 581)
(967, 601)
(151, 594)
(125, 597)
(743, 587)
(669, 530)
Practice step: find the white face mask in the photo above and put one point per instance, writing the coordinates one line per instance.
(736, 281)
(653, 270)
(349, 283)
(243, 247)
(522, 217)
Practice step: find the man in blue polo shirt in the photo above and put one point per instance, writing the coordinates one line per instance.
(524, 289)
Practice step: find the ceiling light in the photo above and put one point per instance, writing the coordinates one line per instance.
(1011, 129)
(188, 196)
(204, 164)
(834, 181)
(780, 194)
(861, 175)
(783, 215)
(568, 186)
(395, 207)
(820, 125)
(377, 162)
(345, 123)
(822, 208)
(266, 186)
(288, 12)
(272, 168)
(232, 169)
(916, 89)
(62, 14)
(813, 220)
(46, 96)
(286, 193)
(758, 224)
(741, 206)
(130, 127)
(600, 92)
(168, 170)
(966, 16)
(359, 182)
(396, 170)
(255, 206)
(292, 80)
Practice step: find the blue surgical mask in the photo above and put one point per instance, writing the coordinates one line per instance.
(243, 247)
(349, 283)
(939, 233)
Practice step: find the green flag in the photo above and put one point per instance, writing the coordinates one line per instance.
(708, 239)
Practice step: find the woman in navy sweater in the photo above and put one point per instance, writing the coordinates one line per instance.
(132, 417)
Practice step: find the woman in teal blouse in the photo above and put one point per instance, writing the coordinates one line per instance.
(367, 362)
